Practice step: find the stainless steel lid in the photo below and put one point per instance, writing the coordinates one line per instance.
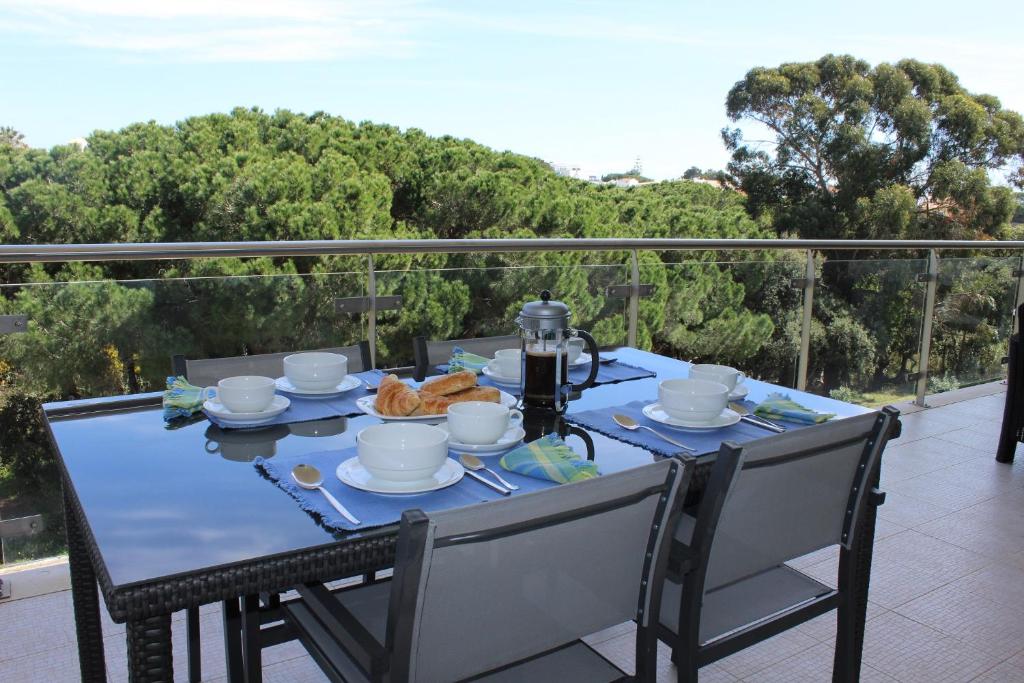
(544, 314)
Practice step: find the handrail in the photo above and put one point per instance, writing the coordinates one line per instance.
(135, 251)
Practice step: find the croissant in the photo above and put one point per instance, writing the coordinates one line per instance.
(431, 404)
(449, 384)
(395, 398)
(488, 394)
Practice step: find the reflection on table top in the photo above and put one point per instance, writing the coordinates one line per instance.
(164, 501)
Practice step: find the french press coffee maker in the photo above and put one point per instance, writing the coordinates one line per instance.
(545, 333)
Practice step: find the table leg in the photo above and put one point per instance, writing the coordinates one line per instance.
(251, 647)
(149, 650)
(233, 641)
(85, 597)
(193, 645)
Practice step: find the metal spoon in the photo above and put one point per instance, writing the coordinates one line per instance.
(309, 477)
(626, 422)
(756, 420)
(471, 462)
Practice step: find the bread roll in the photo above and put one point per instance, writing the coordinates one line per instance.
(449, 384)
(432, 404)
(395, 398)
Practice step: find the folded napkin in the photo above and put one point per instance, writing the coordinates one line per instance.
(781, 407)
(464, 360)
(549, 458)
(183, 399)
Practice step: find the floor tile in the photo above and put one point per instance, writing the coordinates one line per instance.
(910, 652)
(987, 625)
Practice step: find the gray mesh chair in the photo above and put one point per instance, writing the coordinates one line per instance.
(427, 353)
(503, 591)
(771, 501)
(208, 371)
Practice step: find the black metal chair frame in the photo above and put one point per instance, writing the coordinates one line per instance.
(689, 566)
(346, 650)
(1012, 430)
(421, 348)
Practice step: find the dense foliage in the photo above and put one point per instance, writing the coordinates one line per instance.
(254, 176)
(893, 151)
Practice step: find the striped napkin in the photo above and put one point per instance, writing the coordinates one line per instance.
(549, 458)
(782, 407)
(183, 399)
(464, 360)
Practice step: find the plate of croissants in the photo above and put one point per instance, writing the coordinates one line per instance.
(396, 400)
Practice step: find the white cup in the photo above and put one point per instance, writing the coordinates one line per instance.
(693, 400)
(507, 363)
(574, 349)
(723, 374)
(480, 422)
(402, 451)
(245, 393)
(316, 370)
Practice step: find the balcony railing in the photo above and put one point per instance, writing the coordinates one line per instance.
(921, 314)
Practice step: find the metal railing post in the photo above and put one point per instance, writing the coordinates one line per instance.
(634, 299)
(805, 325)
(1019, 298)
(931, 279)
(371, 314)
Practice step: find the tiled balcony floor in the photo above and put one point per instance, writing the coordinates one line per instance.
(947, 589)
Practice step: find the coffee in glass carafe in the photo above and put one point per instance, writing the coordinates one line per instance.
(545, 332)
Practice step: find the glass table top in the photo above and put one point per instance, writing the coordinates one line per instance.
(162, 501)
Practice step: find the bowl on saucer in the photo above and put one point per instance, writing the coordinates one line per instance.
(402, 451)
(315, 370)
(693, 400)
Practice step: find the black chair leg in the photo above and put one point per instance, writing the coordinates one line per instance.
(192, 645)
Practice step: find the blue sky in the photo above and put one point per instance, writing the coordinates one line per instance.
(588, 84)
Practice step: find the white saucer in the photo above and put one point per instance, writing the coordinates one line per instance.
(350, 382)
(724, 419)
(507, 441)
(582, 359)
(500, 379)
(365, 404)
(739, 393)
(277, 406)
(355, 475)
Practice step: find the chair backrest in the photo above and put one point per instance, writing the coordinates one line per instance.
(795, 493)
(428, 353)
(481, 587)
(208, 371)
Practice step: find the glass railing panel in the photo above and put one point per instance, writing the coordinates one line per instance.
(866, 332)
(101, 337)
(973, 321)
(470, 297)
(743, 313)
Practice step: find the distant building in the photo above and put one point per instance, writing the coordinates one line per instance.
(626, 182)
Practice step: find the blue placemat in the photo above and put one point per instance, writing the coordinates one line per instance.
(379, 509)
(607, 373)
(600, 420)
(306, 409)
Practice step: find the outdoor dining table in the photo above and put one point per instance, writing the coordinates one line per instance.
(165, 519)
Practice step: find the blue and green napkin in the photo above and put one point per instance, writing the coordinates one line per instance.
(183, 399)
(464, 360)
(781, 407)
(549, 458)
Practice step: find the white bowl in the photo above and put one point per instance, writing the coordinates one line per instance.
(402, 451)
(695, 400)
(315, 371)
(246, 393)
